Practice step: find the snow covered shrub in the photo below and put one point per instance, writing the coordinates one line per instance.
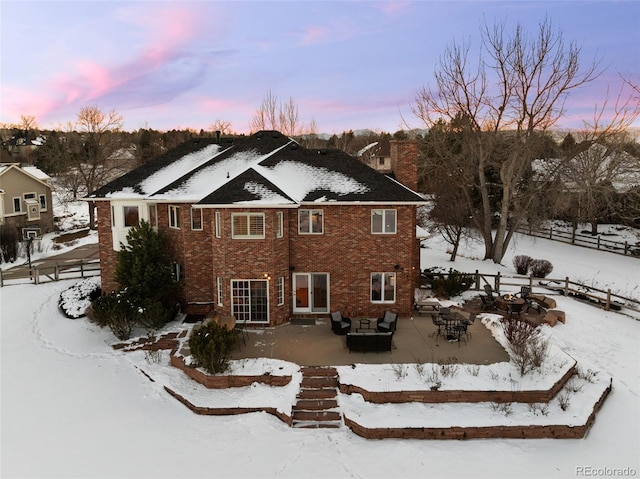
(522, 263)
(211, 346)
(527, 347)
(540, 268)
(452, 284)
(73, 302)
(115, 311)
(564, 399)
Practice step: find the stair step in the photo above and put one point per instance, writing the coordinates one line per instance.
(317, 394)
(319, 382)
(316, 416)
(310, 371)
(317, 425)
(315, 404)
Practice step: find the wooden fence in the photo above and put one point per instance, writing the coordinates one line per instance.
(599, 297)
(587, 241)
(40, 274)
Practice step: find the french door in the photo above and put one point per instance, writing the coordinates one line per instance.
(249, 300)
(311, 292)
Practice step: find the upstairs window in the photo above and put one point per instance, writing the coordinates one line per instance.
(310, 222)
(247, 225)
(43, 202)
(131, 216)
(174, 217)
(218, 225)
(383, 221)
(279, 225)
(17, 205)
(196, 219)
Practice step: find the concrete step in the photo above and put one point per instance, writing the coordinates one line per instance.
(317, 425)
(316, 371)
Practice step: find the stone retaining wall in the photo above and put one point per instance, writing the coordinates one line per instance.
(380, 397)
(228, 381)
(228, 411)
(559, 431)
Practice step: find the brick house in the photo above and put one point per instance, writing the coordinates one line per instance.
(25, 200)
(266, 230)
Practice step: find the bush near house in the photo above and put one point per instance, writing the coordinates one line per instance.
(9, 243)
(211, 346)
(147, 285)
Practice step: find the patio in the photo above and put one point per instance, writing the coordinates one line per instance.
(413, 342)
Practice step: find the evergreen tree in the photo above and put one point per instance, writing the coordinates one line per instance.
(145, 275)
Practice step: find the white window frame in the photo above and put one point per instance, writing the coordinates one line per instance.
(43, 202)
(197, 211)
(243, 306)
(280, 290)
(384, 221)
(152, 211)
(247, 217)
(113, 216)
(174, 217)
(279, 224)
(309, 213)
(385, 278)
(218, 225)
(219, 290)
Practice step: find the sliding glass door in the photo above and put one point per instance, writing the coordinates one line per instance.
(311, 292)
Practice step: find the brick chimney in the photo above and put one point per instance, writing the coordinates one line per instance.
(404, 162)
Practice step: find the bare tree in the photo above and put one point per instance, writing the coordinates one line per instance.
(274, 115)
(514, 91)
(601, 171)
(99, 141)
(224, 127)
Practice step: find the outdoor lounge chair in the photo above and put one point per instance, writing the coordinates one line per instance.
(387, 324)
(339, 324)
(487, 303)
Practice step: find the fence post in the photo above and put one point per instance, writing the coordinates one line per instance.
(608, 304)
(1, 279)
(36, 276)
(626, 248)
(566, 286)
(82, 269)
(551, 232)
(531, 281)
(497, 283)
(477, 280)
(56, 272)
(598, 241)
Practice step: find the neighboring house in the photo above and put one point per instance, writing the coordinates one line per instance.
(265, 229)
(25, 199)
(378, 156)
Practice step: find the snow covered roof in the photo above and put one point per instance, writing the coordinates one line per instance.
(265, 168)
(36, 173)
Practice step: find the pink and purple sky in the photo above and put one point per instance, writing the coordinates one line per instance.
(347, 64)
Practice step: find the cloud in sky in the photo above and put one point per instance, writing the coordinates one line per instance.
(348, 65)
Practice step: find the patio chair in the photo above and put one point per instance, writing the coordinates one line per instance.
(388, 323)
(469, 322)
(438, 323)
(489, 290)
(515, 309)
(487, 303)
(339, 324)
